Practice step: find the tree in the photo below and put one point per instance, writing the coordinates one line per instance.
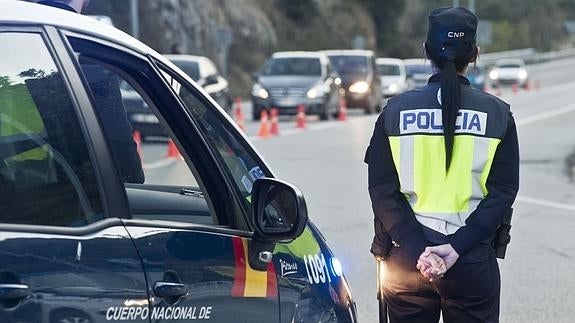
(5, 81)
(32, 73)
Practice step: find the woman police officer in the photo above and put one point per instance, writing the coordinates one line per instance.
(443, 171)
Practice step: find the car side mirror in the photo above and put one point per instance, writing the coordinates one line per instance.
(212, 79)
(279, 213)
(279, 210)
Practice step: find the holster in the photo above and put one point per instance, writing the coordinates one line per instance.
(381, 245)
(503, 236)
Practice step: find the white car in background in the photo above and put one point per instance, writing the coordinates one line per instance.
(204, 72)
(419, 71)
(393, 76)
(509, 72)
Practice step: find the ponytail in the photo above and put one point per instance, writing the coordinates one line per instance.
(450, 104)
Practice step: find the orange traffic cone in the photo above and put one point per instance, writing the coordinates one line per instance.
(138, 140)
(300, 119)
(342, 114)
(528, 86)
(515, 88)
(173, 151)
(264, 131)
(239, 115)
(274, 130)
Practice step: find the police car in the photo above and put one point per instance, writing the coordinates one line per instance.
(90, 231)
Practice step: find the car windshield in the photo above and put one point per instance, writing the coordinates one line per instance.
(190, 68)
(475, 69)
(388, 69)
(349, 64)
(418, 69)
(293, 66)
(510, 65)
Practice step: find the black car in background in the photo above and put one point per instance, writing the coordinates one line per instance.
(360, 78)
(292, 79)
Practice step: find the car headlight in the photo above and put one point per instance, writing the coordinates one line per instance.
(522, 74)
(337, 81)
(259, 91)
(336, 267)
(359, 87)
(315, 92)
(312, 93)
(393, 88)
(494, 75)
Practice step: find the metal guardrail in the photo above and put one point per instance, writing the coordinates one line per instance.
(529, 55)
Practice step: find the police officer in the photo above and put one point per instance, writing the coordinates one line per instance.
(107, 96)
(443, 172)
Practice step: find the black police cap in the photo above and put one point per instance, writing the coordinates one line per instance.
(451, 32)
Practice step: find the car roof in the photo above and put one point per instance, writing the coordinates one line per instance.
(297, 54)
(388, 60)
(348, 52)
(517, 61)
(189, 58)
(416, 61)
(29, 13)
(21, 12)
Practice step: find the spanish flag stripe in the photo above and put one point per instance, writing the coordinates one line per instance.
(272, 288)
(240, 269)
(256, 281)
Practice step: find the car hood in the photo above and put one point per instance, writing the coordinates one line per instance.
(350, 78)
(387, 80)
(288, 81)
(509, 72)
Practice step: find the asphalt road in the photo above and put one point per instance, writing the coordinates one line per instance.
(538, 281)
(326, 162)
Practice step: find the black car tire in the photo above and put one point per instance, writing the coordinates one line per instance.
(325, 113)
(256, 115)
(370, 108)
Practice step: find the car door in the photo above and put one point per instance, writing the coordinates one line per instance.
(188, 223)
(63, 258)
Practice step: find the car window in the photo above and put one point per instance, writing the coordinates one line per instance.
(241, 165)
(159, 183)
(418, 69)
(189, 67)
(389, 69)
(293, 66)
(350, 64)
(46, 175)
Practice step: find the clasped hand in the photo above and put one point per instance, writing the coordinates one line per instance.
(434, 262)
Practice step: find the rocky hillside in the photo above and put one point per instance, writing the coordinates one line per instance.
(255, 29)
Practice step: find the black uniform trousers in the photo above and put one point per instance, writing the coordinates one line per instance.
(469, 291)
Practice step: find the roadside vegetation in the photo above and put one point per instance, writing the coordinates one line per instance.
(393, 28)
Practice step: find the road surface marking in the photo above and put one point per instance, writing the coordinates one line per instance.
(546, 203)
(546, 115)
(296, 131)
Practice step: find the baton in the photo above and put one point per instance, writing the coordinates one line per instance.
(380, 298)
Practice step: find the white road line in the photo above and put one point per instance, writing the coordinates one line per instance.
(546, 115)
(297, 131)
(546, 203)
